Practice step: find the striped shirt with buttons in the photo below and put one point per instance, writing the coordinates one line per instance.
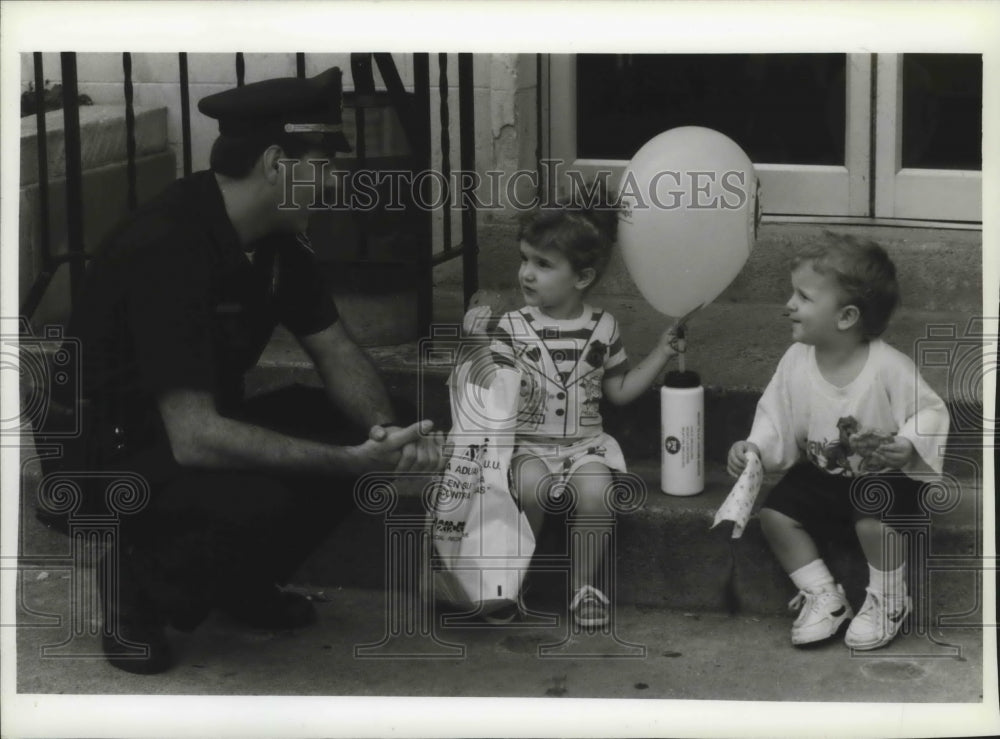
(563, 364)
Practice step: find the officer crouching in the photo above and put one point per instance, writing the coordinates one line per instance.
(178, 304)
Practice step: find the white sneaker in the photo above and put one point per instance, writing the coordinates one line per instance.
(506, 612)
(590, 607)
(878, 621)
(821, 615)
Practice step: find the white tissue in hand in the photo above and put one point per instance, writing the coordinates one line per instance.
(739, 503)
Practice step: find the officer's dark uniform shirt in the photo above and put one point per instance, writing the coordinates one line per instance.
(172, 301)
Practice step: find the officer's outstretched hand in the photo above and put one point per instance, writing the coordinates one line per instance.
(411, 449)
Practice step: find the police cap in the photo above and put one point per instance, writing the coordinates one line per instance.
(283, 105)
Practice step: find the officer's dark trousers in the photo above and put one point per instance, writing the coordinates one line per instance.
(210, 538)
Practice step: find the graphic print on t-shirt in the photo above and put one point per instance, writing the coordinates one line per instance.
(853, 451)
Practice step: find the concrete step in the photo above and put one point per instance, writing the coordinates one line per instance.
(735, 348)
(649, 653)
(105, 202)
(103, 158)
(667, 555)
(102, 138)
(937, 268)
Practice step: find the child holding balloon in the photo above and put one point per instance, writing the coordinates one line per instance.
(856, 426)
(570, 355)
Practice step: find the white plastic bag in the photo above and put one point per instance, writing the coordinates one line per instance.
(479, 534)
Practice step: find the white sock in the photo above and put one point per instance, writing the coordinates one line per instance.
(890, 583)
(813, 577)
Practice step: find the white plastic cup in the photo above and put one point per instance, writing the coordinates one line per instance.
(682, 434)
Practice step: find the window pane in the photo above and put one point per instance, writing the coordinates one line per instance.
(943, 111)
(780, 108)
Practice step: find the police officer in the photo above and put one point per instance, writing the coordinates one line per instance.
(178, 304)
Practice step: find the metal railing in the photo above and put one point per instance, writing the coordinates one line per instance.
(414, 112)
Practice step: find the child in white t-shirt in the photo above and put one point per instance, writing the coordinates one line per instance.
(570, 355)
(854, 421)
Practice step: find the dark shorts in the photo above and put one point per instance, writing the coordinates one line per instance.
(818, 500)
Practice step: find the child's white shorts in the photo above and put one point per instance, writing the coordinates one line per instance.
(564, 460)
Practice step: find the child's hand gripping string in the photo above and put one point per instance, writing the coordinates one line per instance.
(625, 388)
(671, 341)
(676, 339)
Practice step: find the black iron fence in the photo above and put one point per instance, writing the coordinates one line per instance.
(413, 109)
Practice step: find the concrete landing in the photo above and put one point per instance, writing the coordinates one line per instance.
(746, 362)
(938, 268)
(350, 674)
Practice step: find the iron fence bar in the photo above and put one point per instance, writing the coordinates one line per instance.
(539, 191)
(182, 62)
(129, 130)
(364, 88)
(445, 150)
(45, 247)
(74, 170)
(400, 100)
(467, 154)
(241, 69)
(300, 65)
(424, 223)
(872, 159)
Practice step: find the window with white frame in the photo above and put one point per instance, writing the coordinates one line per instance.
(894, 136)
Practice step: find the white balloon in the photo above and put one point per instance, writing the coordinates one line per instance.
(690, 208)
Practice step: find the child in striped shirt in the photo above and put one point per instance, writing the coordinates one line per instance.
(570, 355)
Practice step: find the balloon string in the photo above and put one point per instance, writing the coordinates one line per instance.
(681, 347)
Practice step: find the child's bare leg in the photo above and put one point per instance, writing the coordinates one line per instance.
(529, 481)
(887, 603)
(791, 544)
(882, 545)
(590, 483)
(824, 607)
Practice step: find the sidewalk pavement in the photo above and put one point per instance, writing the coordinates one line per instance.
(650, 653)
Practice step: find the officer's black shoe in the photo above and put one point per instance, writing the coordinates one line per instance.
(187, 615)
(133, 636)
(139, 648)
(271, 608)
